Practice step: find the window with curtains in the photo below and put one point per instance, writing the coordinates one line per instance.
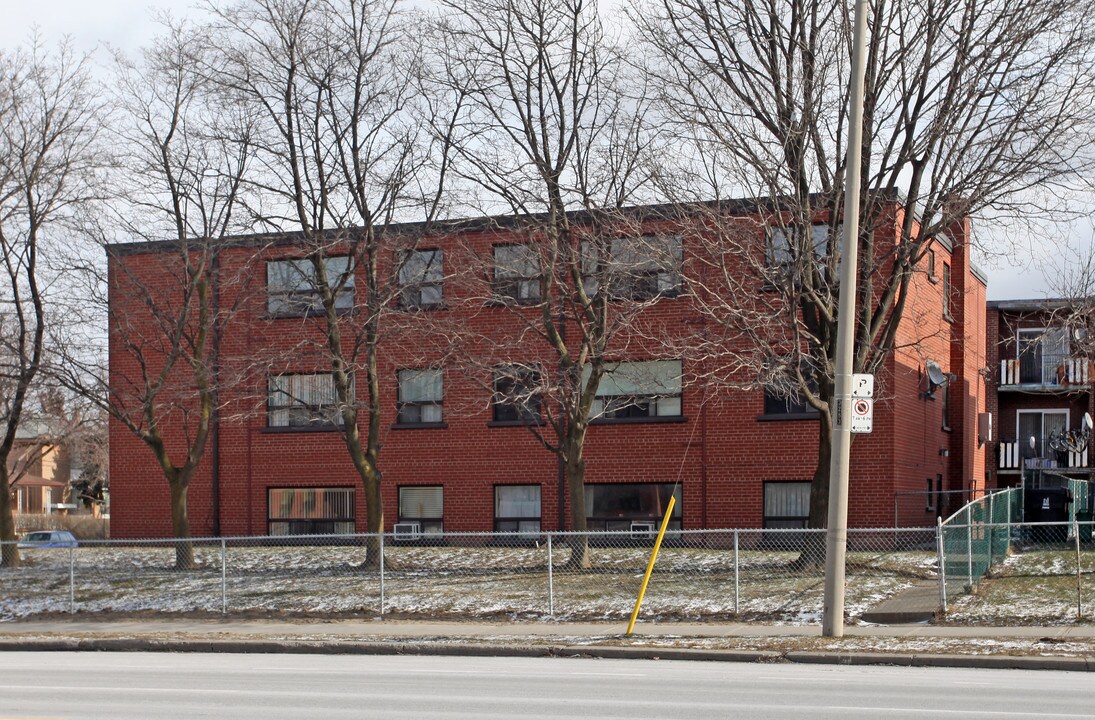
(423, 504)
(310, 511)
(786, 504)
(292, 286)
(302, 401)
(420, 397)
(639, 391)
(517, 274)
(517, 508)
(421, 279)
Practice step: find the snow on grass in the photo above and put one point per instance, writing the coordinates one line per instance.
(472, 582)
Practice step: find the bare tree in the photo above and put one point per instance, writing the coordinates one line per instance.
(971, 108)
(341, 160)
(48, 127)
(549, 126)
(181, 155)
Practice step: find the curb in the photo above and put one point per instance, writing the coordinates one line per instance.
(1076, 664)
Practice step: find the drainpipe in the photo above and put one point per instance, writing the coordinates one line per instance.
(215, 449)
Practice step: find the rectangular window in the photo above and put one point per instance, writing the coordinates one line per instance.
(423, 505)
(517, 508)
(517, 274)
(946, 291)
(1042, 355)
(1041, 426)
(636, 268)
(517, 394)
(946, 406)
(631, 506)
(931, 266)
(639, 390)
(786, 504)
(929, 498)
(292, 286)
(782, 249)
(791, 403)
(421, 279)
(420, 396)
(302, 400)
(310, 511)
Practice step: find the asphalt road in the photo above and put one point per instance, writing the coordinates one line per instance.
(157, 686)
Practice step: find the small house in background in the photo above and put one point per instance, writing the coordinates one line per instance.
(41, 470)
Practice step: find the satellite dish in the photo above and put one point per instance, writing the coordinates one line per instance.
(1086, 423)
(936, 376)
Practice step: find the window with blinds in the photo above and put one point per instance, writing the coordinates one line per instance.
(302, 400)
(425, 505)
(786, 504)
(638, 390)
(420, 397)
(310, 511)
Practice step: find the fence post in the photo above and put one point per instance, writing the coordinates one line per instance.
(381, 536)
(1079, 582)
(71, 580)
(737, 584)
(224, 578)
(991, 528)
(551, 578)
(969, 546)
(942, 563)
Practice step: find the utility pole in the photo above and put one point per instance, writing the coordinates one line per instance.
(836, 538)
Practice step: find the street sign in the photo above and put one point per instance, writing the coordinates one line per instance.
(862, 415)
(862, 385)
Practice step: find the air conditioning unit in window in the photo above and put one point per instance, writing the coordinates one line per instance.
(641, 530)
(407, 531)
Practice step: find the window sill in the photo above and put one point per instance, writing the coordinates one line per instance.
(304, 314)
(421, 308)
(420, 426)
(640, 420)
(501, 302)
(933, 279)
(302, 429)
(779, 417)
(515, 423)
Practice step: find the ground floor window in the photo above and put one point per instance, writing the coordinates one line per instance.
(422, 506)
(517, 508)
(786, 504)
(310, 511)
(638, 507)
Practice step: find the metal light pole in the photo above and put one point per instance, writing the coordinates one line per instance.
(836, 539)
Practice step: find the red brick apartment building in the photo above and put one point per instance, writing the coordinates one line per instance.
(452, 462)
(1041, 372)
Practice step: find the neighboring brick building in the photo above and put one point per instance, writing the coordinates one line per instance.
(451, 461)
(1042, 388)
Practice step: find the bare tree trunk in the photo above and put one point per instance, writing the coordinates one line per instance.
(575, 473)
(180, 526)
(9, 557)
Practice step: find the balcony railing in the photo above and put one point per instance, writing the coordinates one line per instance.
(1010, 458)
(1059, 371)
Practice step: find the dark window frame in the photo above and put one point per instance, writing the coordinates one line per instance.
(406, 405)
(320, 416)
(616, 521)
(518, 519)
(639, 284)
(947, 291)
(514, 412)
(425, 281)
(427, 525)
(507, 287)
(791, 520)
(303, 525)
(638, 407)
(314, 304)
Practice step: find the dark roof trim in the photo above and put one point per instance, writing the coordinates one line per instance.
(1032, 305)
(640, 213)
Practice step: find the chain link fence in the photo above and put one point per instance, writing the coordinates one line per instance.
(772, 575)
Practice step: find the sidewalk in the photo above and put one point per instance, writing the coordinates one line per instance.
(1063, 648)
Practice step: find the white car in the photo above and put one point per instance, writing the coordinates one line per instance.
(48, 539)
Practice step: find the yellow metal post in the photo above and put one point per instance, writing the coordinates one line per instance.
(650, 565)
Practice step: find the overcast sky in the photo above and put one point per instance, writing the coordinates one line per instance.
(127, 24)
